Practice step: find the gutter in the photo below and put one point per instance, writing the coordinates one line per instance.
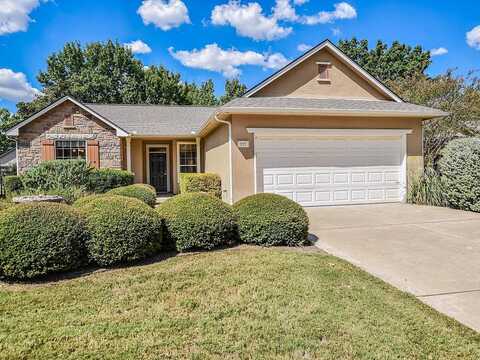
(230, 165)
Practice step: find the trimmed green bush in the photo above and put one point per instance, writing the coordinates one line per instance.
(427, 188)
(13, 184)
(201, 182)
(270, 220)
(197, 221)
(459, 167)
(143, 192)
(40, 238)
(57, 174)
(121, 229)
(5, 204)
(86, 199)
(103, 180)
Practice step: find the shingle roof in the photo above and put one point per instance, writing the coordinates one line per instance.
(155, 119)
(332, 106)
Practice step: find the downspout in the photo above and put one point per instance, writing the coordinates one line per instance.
(230, 166)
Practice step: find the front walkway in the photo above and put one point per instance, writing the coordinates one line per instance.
(433, 253)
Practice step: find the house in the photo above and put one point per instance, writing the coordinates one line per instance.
(321, 131)
(8, 158)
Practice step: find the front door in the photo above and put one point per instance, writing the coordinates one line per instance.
(158, 166)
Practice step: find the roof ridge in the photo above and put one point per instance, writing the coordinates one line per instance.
(154, 105)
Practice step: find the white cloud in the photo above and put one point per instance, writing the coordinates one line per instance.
(15, 87)
(304, 47)
(138, 47)
(14, 15)
(342, 11)
(249, 21)
(300, 2)
(227, 62)
(473, 37)
(438, 51)
(164, 14)
(284, 10)
(336, 31)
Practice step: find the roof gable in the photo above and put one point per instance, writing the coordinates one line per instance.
(367, 78)
(14, 130)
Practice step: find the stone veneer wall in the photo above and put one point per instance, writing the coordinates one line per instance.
(50, 126)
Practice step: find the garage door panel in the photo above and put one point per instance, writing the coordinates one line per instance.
(331, 172)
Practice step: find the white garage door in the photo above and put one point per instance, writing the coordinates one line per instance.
(333, 170)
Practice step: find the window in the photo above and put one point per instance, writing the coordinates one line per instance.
(70, 150)
(323, 71)
(187, 158)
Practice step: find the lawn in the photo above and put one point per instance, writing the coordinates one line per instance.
(238, 303)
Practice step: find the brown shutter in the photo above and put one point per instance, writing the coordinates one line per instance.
(93, 153)
(48, 150)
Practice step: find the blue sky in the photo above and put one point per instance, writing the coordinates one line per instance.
(218, 39)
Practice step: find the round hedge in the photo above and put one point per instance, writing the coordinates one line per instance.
(40, 238)
(460, 169)
(270, 219)
(121, 229)
(143, 192)
(198, 221)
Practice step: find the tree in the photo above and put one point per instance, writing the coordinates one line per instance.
(233, 89)
(392, 63)
(203, 95)
(7, 120)
(457, 95)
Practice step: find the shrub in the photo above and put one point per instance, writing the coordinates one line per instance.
(460, 169)
(427, 189)
(57, 174)
(102, 180)
(121, 229)
(206, 183)
(86, 199)
(13, 184)
(143, 192)
(197, 221)
(40, 238)
(270, 219)
(5, 204)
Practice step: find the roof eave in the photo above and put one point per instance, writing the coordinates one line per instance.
(14, 131)
(331, 112)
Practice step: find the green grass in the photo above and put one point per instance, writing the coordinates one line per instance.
(233, 304)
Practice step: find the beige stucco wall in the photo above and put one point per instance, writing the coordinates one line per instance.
(216, 156)
(301, 81)
(243, 159)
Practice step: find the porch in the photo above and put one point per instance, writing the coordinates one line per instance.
(158, 161)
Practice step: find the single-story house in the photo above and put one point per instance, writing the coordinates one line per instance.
(8, 158)
(321, 130)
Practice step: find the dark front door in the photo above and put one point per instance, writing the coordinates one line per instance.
(158, 171)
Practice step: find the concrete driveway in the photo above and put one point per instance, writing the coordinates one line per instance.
(433, 253)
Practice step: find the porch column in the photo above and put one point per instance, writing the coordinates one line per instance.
(199, 162)
(129, 153)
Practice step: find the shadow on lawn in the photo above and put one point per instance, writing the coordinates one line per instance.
(52, 279)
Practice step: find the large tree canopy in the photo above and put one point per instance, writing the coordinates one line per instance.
(458, 95)
(109, 73)
(398, 61)
(7, 120)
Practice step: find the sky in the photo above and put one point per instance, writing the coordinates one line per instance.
(220, 39)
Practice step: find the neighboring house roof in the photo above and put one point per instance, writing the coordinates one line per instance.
(327, 44)
(151, 120)
(290, 105)
(14, 130)
(9, 157)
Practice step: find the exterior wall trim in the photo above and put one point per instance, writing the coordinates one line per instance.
(288, 132)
